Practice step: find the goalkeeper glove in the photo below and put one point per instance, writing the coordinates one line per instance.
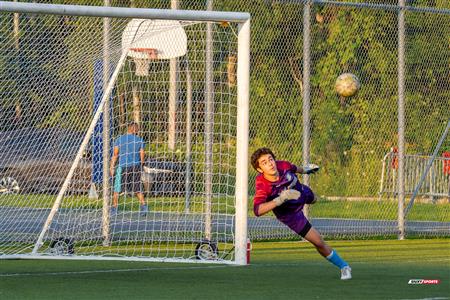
(310, 169)
(287, 195)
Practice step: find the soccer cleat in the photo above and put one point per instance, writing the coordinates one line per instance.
(346, 273)
(144, 210)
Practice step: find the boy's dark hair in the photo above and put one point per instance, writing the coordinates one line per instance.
(257, 154)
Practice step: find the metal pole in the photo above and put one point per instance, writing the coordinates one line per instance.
(16, 21)
(306, 89)
(16, 30)
(401, 120)
(106, 133)
(243, 84)
(173, 93)
(383, 168)
(123, 12)
(209, 124)
(187, 203)
(135, 88)
(431, 176)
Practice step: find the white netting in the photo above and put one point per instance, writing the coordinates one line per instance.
(350, 139)
(51, 85)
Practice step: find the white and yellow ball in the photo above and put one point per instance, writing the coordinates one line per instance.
(347, 85)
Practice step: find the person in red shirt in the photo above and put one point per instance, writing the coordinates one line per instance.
(279, 190)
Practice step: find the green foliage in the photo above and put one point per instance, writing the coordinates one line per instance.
(348, 136)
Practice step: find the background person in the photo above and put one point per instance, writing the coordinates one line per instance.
(129, 152)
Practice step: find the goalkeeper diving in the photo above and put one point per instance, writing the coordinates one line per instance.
(278, 190)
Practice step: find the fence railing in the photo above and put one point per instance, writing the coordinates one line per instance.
(436, 186)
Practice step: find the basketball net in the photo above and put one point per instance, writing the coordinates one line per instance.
(142, 64)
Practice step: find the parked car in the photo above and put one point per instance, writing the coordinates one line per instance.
(164, 178)
(36, 160)
(9, 185)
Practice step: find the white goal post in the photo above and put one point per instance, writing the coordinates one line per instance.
(195, 196)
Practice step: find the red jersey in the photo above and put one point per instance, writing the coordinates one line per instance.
(290, 212)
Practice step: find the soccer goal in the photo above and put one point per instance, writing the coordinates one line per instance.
(74, 80)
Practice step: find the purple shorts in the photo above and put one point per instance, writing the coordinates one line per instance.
(291, 212)
(300, 225)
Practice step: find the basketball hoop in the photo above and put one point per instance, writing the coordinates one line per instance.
(146, 40)
(142, 58)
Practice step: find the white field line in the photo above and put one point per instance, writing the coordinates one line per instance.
(432, 298)
(110, 271)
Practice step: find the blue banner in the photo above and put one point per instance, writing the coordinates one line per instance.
(97, 137)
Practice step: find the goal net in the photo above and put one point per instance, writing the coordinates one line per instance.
(128, 151)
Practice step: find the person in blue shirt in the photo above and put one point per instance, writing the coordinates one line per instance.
(129, 156)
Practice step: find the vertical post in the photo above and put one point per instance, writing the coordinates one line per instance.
(401, 119)
(173, 93)
(306, 88)
(136, 103)
(209, 124)
(106, 132)
(136, 91)
(383, 168)
(243, 83)
(432, 184)
(16, 21)
(187, 202)
(16, 30)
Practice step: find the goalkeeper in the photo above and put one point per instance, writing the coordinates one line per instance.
(278, 190)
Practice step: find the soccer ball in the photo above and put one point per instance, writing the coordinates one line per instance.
(347, 85)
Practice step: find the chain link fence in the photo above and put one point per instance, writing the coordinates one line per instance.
(349, 137)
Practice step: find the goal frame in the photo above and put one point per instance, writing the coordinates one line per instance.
(243, 82)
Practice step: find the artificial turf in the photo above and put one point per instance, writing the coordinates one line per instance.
(279, 270)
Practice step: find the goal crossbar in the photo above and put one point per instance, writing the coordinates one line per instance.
(119, 12)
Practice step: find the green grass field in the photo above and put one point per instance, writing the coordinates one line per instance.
(279, 270)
